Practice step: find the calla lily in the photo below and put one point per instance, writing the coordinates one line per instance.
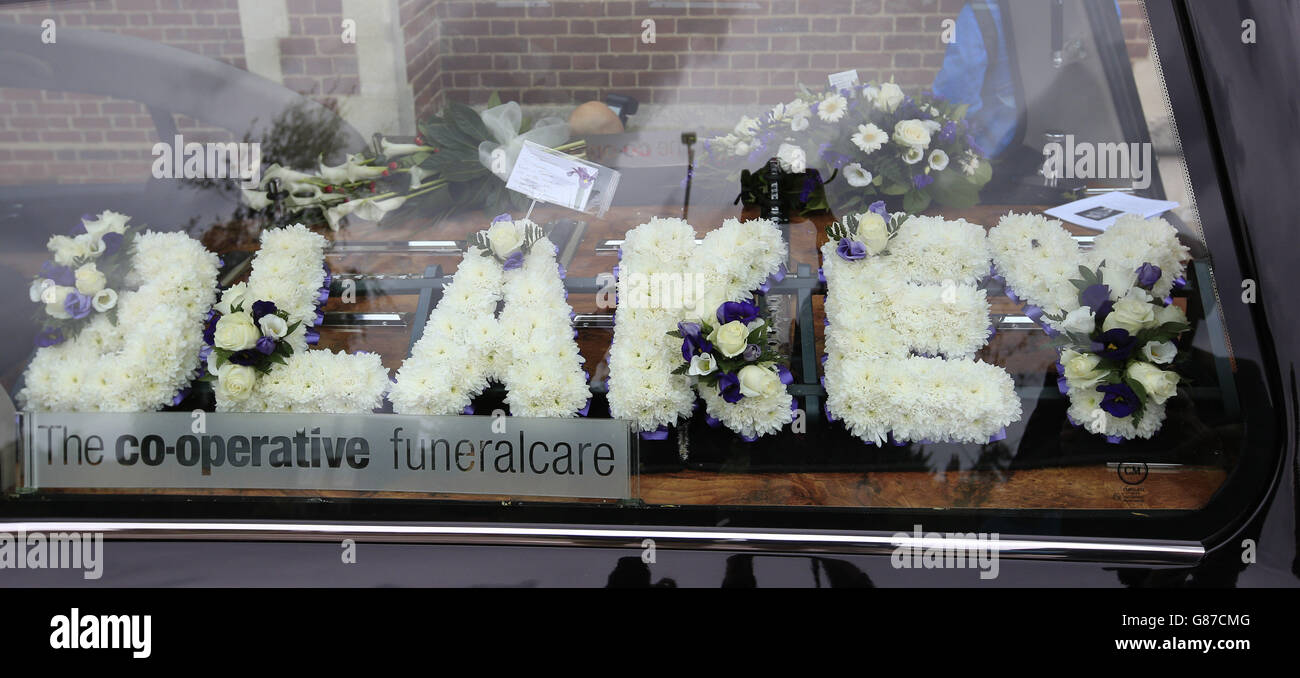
(285, 175)
(417, 176)
(392, 150)
(503, 122)
(352, 170)
(255, 199)
(369, 209)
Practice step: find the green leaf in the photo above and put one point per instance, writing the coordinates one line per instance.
(467, 120)
(915, 202)
(494, 99)
(951, 189)
(681, 369)
(895, 189)
(674, 334)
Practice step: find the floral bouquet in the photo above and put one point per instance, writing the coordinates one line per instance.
(865, 234)
(253, 338)
(1113, 355)
(460, 159)
(507, 240)
(82, 280)
(732, 356)
(884, 143)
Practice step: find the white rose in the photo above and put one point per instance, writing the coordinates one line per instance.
(798, 123)
(792, 158)
(1081, 320)
(90, 279)
(231, 298)
(67, 250)
(873, 232)
(1130, 313)
(731, 338)
(235, 382)
(273, 326)
(236, 332)
(104, 300)
(912, 133)
(1170, 314)
(1159, 352)
(504, 238)
(742, 148)
(1081, 369)
(889, 97)
(758, 381)
(702, 364)
(1159, 384)
(53, 297)
(37, 290)
(938, 160)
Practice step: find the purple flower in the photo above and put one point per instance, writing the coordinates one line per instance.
(783, 373)
(744, 311)
(1119, 400)
(50, 336)
(513, 261)
(878, 207)
(1114, 344)
(922, 180)
(752, 352)
(948, 132)
(210, 327)
(265, 345)
(729, 387)
(112, 242)
(692, 340)
(312, 337)
(851, 250)
(77, 305)
(262, 309)
(1094, 296)
(1148, 275)
(205, 353)
(501, 217)
(61, 275)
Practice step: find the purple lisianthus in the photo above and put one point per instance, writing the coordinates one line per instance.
(1119, 400)
(729, 387)
(878, 207)
(752, 352)
(204, 353)
(262, 309)
(851, 250)
(744, 311)
(248, 357)
(505, 216)
(513, 261)
(1114, 344)
(50, 336)
(210, 327)
(265, 345)
(692, 340)
(1094, 296)
(61, 275)
(77, 305)
(312, 337)
(948, 132)
(112, 242)
(1148, 275)
(922, 180)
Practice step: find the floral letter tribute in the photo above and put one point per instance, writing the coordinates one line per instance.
(905, 321)
(1108, 312)
(711, 332)
(530, 348)
(106, 346)
(256, 338)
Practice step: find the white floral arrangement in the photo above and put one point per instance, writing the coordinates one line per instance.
(256, 337)
(83, 276)
(905, 320)
(1108, 313)
(530, 348)
(144, 358)
(741, 382)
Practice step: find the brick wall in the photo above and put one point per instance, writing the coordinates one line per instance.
(737, 52)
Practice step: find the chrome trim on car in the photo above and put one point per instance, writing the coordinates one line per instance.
(865, 543)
